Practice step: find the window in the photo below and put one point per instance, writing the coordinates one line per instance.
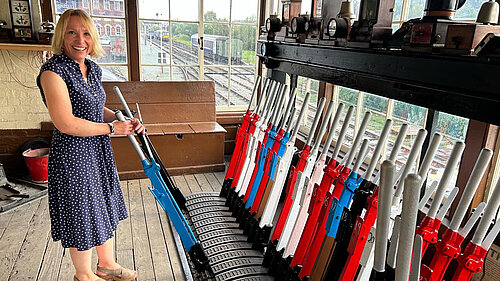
(414, 116)
(107, 28)
(305, 85)
(171, 37)
(108, 21)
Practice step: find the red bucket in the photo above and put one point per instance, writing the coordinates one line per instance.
(37, 161)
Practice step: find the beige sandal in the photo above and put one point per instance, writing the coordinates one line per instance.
(76, 279)
(119, 274)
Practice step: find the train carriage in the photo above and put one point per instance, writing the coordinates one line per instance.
(216, 48)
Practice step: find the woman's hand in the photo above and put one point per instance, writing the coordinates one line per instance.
(129, 127)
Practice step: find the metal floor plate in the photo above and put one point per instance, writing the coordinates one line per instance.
(231, 256)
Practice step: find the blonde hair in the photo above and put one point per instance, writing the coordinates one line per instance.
(62, 23)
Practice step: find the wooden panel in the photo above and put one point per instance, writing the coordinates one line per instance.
(231, 132)
(161, 92)
(154, 129)
(229, 147)
(189, 151)
(173, 112)
(176, 128)
(207, 127)
(230, 118)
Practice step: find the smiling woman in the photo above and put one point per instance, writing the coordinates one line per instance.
(85, 197)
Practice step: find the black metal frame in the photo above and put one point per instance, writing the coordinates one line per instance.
(463, 86)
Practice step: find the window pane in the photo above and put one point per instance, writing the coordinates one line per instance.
(416, 8)
(219, 76)
(183, 35)
(186, 10)
(216, 43)
(349, 97)
(355, 5)
(114, 73)
(453, 128)
(185, 73)
(216, 10)
(414, 116)
(305, 85)
(242, 80)
(154, 42)
(243, 45)
(113, 40)
(155, 73)
(63, 5)
(378, 107)
(153, 9)
(469, 10)
(244, 11)
(109, 8)
(398, 5)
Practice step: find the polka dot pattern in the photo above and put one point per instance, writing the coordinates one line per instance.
(85, 198)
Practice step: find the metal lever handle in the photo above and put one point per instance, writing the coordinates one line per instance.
(132, 139)
(122, 101)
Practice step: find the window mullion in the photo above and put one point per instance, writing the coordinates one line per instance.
(201, 32)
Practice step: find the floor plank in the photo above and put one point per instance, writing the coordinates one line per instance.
(193, 184)
(67, 271)
(51, 260)
(203, 183)
(32, 251)
(214, 183)
(144, 241)
(175, 262)
(14, 235)
(181, 183)
(142, 254)
(159, 253)
(4, 221)
(124, 247)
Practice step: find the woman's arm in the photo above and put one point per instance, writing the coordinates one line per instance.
(60, 110)
(109, 115)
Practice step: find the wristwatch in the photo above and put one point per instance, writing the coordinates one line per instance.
(111, 129)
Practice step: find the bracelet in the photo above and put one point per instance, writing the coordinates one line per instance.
(111, 129)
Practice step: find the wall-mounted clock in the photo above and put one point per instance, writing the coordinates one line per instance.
(22, 23)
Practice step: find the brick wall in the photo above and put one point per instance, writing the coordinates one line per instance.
(21, 106)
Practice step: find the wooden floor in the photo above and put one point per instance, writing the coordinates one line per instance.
(144, 241)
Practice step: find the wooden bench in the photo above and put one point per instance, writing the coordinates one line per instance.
(181, 123)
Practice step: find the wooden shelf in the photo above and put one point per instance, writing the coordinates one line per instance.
(25, 47)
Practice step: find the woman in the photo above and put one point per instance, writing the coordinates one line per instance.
(85, 197)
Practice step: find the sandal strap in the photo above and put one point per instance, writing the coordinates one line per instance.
(123, 273)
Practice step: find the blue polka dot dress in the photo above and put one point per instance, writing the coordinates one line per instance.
(85, 198)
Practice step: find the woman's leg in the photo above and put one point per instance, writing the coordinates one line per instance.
(107, 260)
(81, 262)
(105, 253)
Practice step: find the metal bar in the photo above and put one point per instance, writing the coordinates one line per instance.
(408, 222)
